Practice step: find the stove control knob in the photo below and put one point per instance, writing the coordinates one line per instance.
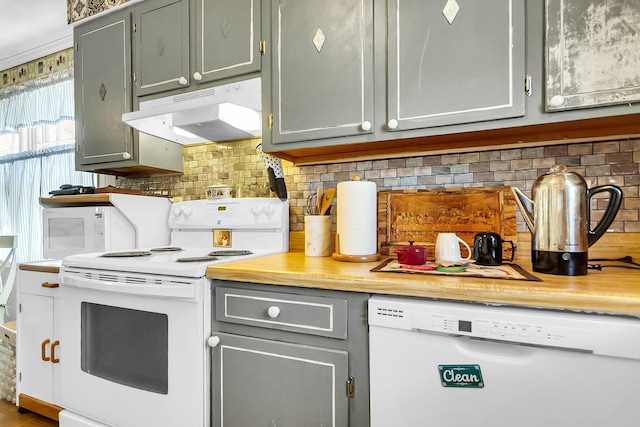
(256, 209)
(182, 210)
(273, 311)
(269, 210)
(213, 341)
(177, 211)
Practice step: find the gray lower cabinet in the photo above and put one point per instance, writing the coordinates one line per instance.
(264, 382)
(288, 357)
(225, 42)
(433, 65)
(103, 92)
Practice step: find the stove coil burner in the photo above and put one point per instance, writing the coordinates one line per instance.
(126, 254)
(197, 259)
(166, 249)
(230, 252)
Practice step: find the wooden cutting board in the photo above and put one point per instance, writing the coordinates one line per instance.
(419, 215)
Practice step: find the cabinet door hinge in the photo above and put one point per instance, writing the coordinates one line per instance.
(351, 386)
(19, 308)
(134, 27)
(527, 85)
(77, 46)
(135, 77)
(270, 121)
(262, 47)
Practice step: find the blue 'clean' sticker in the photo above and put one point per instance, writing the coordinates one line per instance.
(468, 376)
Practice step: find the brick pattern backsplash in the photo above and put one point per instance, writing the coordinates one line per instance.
(237, 162)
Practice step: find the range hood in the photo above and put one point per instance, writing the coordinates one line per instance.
(219, 113)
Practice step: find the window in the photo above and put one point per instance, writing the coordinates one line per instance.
(37, 141)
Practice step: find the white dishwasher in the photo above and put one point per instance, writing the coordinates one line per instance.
(436, 363)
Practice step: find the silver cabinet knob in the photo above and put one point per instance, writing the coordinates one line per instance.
(366, 125)
(183, 81)
(273, 311)
(392, 124)
(213, 341)
(197, 76)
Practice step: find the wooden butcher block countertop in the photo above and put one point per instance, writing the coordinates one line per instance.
(612, 290)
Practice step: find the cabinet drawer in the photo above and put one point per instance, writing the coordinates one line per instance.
(39, 283)
(288, 312)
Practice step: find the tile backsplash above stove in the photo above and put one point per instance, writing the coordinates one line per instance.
(600, 163)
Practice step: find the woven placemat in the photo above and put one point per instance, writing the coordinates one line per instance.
(504, 271)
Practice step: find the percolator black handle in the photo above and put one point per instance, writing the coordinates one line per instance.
(609, 215)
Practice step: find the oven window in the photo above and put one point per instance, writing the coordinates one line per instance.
(126, 346)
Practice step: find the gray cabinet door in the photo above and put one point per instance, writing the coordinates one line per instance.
(103, 90)
(259, 382)
(322, 69)
(467, 70)
(227, 40)
(160, 45)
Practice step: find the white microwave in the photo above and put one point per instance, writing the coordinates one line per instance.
(130, 222)
(84, 229)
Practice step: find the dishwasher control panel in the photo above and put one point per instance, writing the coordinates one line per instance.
(597, 333)
(513, 330)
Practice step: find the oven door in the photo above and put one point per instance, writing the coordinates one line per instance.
(134, 348)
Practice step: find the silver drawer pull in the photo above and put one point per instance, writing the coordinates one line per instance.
(273, 311)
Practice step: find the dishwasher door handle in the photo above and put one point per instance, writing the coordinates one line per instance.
(493, 349)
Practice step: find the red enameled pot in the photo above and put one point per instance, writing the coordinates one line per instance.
(410, 254)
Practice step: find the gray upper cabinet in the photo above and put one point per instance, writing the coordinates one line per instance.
(180, 44)
(434, 65)
(102, 90)
(227, 39)
(103, 93)
(451, 65)
(322, 70)
(160, 46)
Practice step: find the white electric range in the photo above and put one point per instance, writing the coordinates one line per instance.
(135, 323)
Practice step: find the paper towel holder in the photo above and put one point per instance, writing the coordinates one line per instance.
(352, 258)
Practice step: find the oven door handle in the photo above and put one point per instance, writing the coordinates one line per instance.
(184, 291)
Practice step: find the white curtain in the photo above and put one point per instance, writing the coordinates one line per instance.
(36, 136)
(23, 180)
(41, 101)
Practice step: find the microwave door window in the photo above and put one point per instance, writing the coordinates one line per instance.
(125, 346)
(66, 234)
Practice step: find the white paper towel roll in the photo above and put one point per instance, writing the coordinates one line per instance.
(357, 223)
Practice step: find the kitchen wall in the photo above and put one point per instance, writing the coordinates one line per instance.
(610, 162)
(39, 68)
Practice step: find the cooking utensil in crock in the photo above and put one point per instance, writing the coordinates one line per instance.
(327, 199)
(411, 254)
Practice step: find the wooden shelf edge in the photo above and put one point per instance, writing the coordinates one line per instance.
(588, 130)
(38, 406)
